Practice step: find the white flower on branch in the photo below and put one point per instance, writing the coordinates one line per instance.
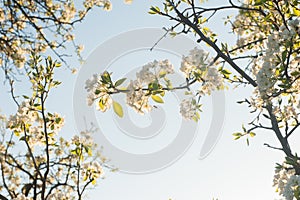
(196, 59)
(189, 109)
(136, 97)
(154, 71)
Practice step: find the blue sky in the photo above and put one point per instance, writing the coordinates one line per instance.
(232, 171)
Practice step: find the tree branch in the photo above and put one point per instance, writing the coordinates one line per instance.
(213, 45)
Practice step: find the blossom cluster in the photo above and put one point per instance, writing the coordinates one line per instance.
(286, 181)
(35, 162)
(267, 68)
(73, 162)
(153, 81)
(152, 75)
(76, 159)
(273, 43)
(198, 65)
(189, 109)
(28, 123)
(26, 25)
(149, 81)
(274, 46)
(100, 88)
(270, 38)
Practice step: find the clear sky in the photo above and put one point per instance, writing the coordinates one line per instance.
(232, 171)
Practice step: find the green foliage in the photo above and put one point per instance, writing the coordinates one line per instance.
(119, 82)
(118, 109)
(157, 99)
(247, 133)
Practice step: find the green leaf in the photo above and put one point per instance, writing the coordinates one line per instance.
(154, 10)
(283, 55)
(106, 78)
(247, 140)
(296, 11)
(85, 177)
(22, 138)
(162, 74)
(90, 152)
(39, 107)
(196, 117)
(237, 135)
(162, 93)
(297, 193)
(285, 86)
(73, 152)
(118, 109)
(295, 73)
(86, 148)
(57, 120)
(119, 82)
(56, 83)
(291, 161)
(57, 64)
(226, 73)
(157, 99)
(153, 86)
(259, 2)
(224, 47)
(252, 134)
(173, 33)
(17, 133)
(97, 92)
(244, 129)
(101, 105)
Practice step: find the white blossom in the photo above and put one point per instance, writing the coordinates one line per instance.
(136, 97)
(188, 108)
(292, 184)
(282, 177)
(197, 59)
(154, 71)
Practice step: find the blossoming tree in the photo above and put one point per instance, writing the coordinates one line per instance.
(39, 26)
(35, 162)
(268, 40)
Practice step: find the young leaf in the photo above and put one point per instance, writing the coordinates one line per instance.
(157, 99)
(244, 129)
(39, 107)
(259, 2)
(237, 135)
(106, 79)
(119, 82)
(296, 11)
(57, 64)
(17, 133)
(252, 134)
(101, 105)
(85, 177)
(118, 109)
(154, 10)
